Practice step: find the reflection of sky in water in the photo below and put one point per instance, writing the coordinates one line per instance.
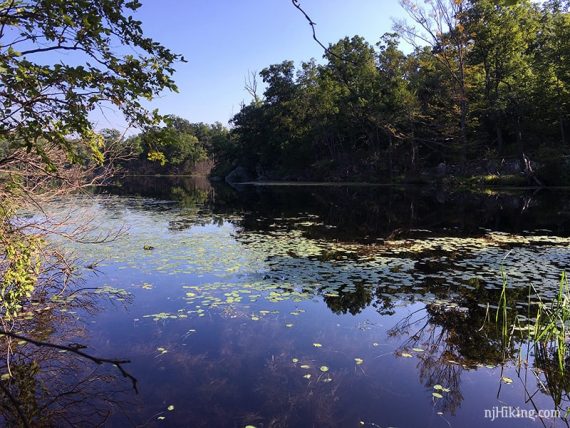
(235, 326)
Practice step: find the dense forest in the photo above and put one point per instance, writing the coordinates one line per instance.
(484, 90)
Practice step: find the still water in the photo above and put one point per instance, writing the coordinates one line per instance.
(305, 306)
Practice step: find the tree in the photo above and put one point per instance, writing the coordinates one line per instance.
(551, 61)
(176, 143)
(45, 100)
(439, 25)
(504, 35)
(48, 146)
(398, 107)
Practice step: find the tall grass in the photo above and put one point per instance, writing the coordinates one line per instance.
(550, 327)
(502, 309)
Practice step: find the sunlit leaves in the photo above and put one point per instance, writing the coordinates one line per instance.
(69, 92)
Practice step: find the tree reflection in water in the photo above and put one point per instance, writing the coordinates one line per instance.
(44, 386)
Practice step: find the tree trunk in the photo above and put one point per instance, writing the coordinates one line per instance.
(500, 141)
(463, 126)
(390, 157)
(519, 136)
(413, 154)
(562, 131)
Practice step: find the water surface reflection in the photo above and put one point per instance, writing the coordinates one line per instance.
(326, 306)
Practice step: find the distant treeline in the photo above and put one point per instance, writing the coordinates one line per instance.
(177, 148)
(485, 88)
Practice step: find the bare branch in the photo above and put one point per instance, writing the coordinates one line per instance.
(313, 25)
(76, 350)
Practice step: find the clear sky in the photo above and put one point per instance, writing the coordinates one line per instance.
(223, 40)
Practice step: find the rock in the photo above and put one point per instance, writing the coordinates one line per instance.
(239, 175)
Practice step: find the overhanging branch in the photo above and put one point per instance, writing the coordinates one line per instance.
(75, 350)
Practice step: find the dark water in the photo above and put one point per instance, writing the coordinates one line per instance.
(307, 306)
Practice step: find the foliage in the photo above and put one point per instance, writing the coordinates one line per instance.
(59, 61)
(20, 266)
(45, 98)
(176, 147)
(485, 79)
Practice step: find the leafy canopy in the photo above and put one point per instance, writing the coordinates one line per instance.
(60, 59)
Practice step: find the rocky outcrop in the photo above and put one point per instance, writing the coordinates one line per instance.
(239, 175)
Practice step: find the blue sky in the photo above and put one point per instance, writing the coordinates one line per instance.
(224, 39)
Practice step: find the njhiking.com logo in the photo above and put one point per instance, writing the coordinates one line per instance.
(508, 412)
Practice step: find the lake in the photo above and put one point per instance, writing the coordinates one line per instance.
(305, 306)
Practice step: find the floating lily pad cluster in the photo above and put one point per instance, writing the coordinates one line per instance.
(282, 263)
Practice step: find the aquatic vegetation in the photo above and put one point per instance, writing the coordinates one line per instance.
(164, 316)
(552, 322)
(546, 325)
(284, 321)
